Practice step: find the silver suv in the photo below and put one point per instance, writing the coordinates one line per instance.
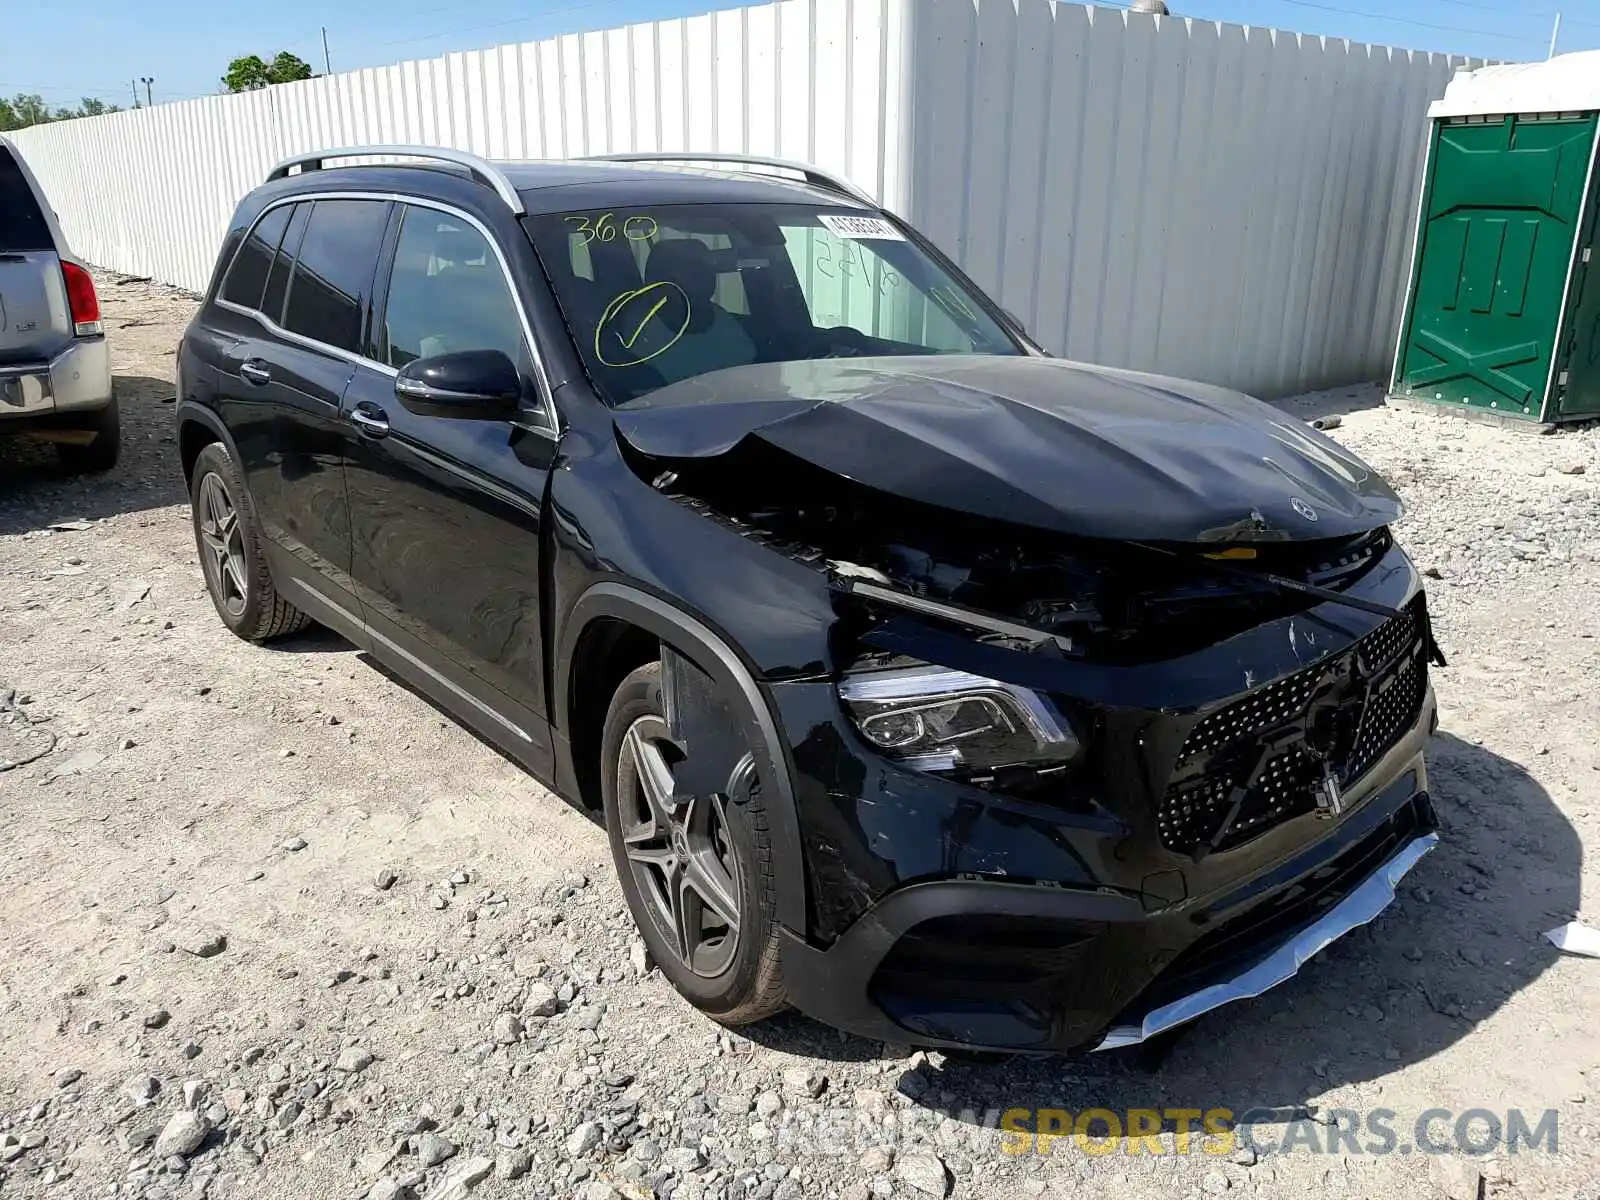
(55, 366)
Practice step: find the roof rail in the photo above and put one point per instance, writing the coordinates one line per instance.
(815, 176)
(480, 169)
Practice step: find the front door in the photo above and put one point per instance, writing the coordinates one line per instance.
(1500, 214)
(445, 513)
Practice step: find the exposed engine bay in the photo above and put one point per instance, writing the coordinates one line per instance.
(1087, 598)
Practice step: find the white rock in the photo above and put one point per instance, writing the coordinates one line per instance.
(876, 1160)
(583, 1139)
(803, 1082)
(353, 1060)
(182, 1134)
(390, 1188)
(512, 1164)
(768, 1105)
(507, 1029)
(925, 1171)
(541, 1001)
(432, 1149)
(141, 1089)
(458, 1180)
(683, 1158)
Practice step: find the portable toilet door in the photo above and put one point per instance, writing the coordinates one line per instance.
(1503, 309)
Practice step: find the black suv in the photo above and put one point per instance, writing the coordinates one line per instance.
(950, 692)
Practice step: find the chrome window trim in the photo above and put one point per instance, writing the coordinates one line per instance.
(551, 426)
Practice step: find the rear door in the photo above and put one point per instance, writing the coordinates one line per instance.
(34, 319)
(281, 376)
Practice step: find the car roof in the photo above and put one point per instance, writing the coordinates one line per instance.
(565, 185)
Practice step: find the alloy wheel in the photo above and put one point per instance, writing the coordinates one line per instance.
(222, 542)
(681, 852)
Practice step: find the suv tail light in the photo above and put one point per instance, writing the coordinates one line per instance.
(81, 299)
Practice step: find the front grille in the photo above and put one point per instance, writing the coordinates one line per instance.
(1335, 718)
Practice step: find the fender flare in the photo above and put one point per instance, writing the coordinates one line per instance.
(190, 410)
(695, 640)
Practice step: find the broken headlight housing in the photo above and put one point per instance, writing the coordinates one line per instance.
(937, 719)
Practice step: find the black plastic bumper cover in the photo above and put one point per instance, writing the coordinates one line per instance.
(1258, 939)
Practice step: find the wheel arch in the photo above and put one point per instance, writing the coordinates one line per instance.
(691, 637)
(198, 427)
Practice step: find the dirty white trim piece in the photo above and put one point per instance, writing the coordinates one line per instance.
(1358, 908)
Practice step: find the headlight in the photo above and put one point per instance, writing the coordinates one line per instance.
(936, 719)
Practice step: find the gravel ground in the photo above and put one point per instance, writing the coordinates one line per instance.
(273, 926)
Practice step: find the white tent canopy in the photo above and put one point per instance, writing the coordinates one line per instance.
(1566, 83)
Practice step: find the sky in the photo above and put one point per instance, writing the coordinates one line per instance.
(65, 52)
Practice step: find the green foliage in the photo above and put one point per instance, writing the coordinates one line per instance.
(25, 108)
(251, 71)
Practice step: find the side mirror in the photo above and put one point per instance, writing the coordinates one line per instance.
(471, 385)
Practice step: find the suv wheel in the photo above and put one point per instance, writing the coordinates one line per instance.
(696, 870)
(230, 552)
(100, 454)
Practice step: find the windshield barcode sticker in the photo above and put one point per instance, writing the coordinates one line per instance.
(860, 227)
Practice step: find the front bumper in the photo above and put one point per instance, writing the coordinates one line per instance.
(78, 379)
(944, 914)
(1062, 969)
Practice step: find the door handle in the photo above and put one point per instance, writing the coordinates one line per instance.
(373, 422)
(255, 371)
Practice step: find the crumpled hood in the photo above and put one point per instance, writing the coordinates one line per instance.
(1061, 446)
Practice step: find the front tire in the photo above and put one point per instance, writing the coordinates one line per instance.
(696, 870)
(229, 543)
(101, 454)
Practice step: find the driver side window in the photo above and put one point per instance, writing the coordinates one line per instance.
(447, 293)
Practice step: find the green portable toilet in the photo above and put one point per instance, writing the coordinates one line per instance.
(1502, 311)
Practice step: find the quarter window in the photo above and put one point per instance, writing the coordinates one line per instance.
(333, 272)
(283, 263)
(448, 293)
(248, 274)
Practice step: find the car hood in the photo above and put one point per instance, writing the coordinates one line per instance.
(1056, 445)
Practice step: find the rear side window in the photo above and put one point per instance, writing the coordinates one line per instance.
(283, 264)
(247, 277)
(334, 269)
(22, 223)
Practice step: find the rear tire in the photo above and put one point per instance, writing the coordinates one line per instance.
(725, 837)
(229, 543)
(100, 454)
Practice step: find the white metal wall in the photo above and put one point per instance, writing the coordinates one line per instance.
(1207, 200)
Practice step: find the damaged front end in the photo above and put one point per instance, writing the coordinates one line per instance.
(1059, 782)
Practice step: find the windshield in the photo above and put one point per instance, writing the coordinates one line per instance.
(661, 294)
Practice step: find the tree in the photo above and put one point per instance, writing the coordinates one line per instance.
(286, 68)
(251, 71)
(24, 109)
(31, 109)
(246, 74)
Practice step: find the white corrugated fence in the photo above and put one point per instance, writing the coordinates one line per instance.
(1207, 200)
